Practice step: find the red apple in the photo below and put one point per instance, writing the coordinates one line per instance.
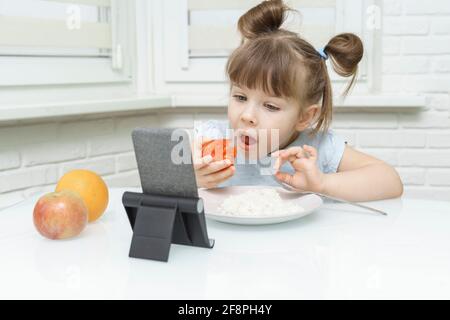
(60, 215)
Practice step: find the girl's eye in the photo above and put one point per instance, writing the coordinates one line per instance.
(272, 108)
(239, 97)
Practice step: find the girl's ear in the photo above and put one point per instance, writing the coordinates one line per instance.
(308, 117)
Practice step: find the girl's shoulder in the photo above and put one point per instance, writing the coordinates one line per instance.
(329, 145)
(320, 138)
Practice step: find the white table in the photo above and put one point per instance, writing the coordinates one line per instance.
(337, 252)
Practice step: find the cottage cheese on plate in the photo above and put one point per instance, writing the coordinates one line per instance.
(259, 202)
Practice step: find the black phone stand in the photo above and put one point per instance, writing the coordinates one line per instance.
(158, 221)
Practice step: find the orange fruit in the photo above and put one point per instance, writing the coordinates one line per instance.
(91, 188)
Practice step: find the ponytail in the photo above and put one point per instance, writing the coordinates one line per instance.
(345, 51)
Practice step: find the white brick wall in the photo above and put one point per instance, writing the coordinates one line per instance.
(416, 58)
(416, 54)
(421, 7)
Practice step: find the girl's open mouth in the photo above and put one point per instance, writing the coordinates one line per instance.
(247, 142)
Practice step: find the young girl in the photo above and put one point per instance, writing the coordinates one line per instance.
(280, 82)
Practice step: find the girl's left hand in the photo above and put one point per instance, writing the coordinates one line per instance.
(307, 176)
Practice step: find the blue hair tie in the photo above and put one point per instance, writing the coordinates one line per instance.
(322, 54)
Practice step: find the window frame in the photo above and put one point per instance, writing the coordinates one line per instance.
(41, 70)
(179, 68)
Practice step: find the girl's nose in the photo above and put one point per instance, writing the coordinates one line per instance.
(249, 115)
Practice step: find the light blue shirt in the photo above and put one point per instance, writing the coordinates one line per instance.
(330, 148)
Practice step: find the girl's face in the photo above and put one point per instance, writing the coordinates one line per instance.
(258, 119)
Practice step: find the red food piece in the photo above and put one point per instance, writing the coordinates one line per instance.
(219, 149)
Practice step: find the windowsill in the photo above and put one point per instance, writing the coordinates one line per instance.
(366, 102)
(49, 110)
(141, 103)
(384, 102)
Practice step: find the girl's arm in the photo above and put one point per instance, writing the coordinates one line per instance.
(361, 177)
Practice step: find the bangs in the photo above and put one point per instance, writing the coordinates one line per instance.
(265, 65)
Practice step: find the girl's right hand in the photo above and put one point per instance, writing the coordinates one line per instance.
(209, 173)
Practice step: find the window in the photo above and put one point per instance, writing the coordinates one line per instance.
(199, 35)
(60, 42)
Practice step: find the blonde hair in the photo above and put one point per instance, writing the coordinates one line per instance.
(282, 64)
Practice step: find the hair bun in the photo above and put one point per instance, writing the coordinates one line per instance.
(346, 50)
(264, 18)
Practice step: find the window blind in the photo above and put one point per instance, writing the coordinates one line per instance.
(45, 42)
(212, 30)
(59, 27)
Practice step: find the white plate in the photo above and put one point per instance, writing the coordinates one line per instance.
(212, 198)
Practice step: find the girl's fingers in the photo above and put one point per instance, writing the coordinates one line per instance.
(275, 153)
(291, 155)
(294, 152)
(284, 177)
(202, 162)
(197, 156)
(221, 176)
(231, 170)
(215, 166)
(312, 152)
